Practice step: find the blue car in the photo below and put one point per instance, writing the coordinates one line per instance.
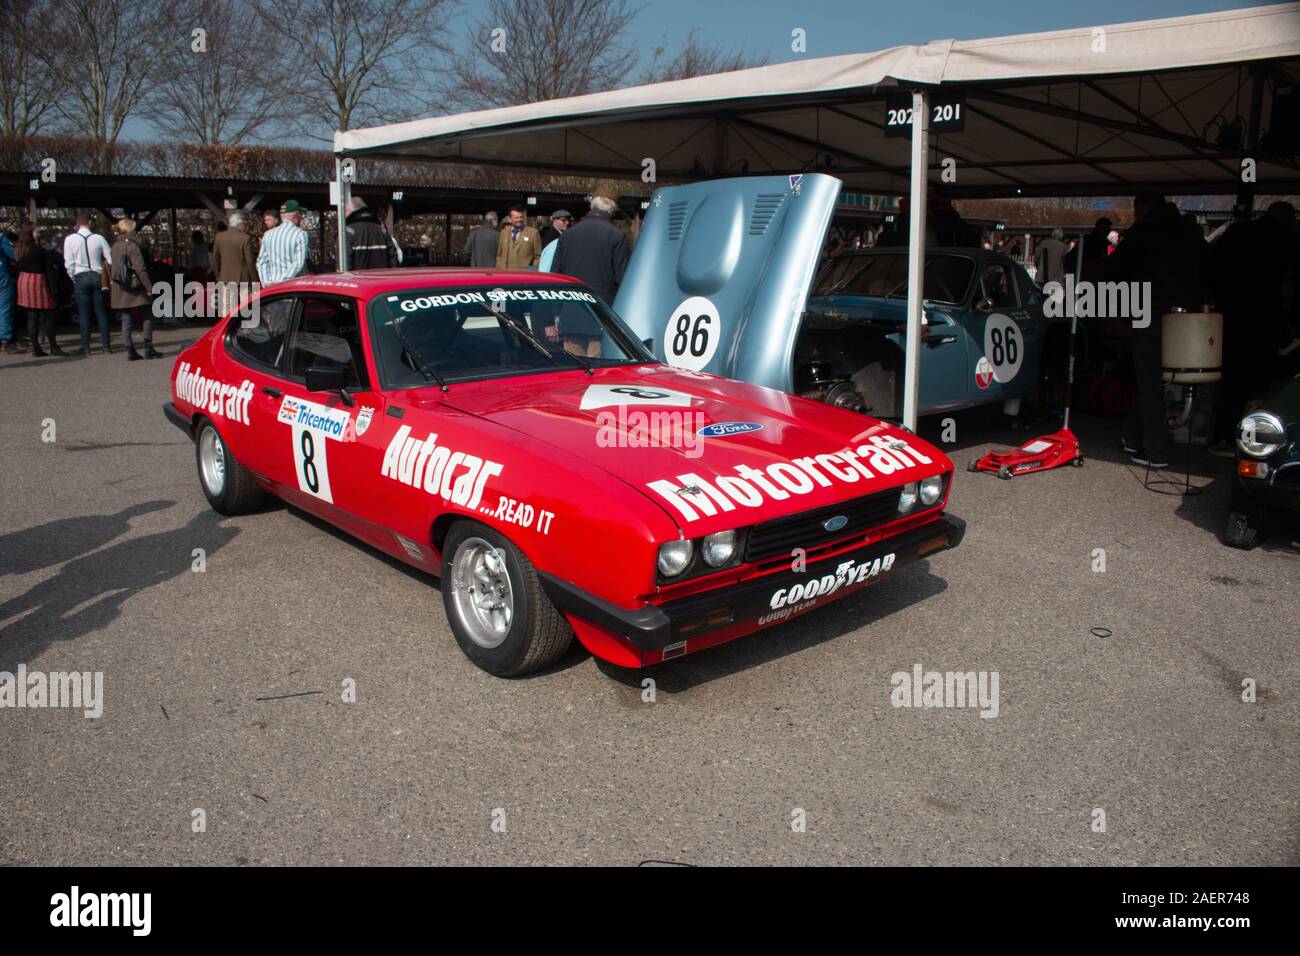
(726, 279)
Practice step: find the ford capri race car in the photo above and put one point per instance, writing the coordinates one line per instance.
(508, 433)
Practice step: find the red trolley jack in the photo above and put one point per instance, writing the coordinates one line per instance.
(1049, 451)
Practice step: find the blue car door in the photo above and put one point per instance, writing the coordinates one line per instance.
(1002, 337)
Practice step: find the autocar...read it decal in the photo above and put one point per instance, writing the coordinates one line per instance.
(454, 476)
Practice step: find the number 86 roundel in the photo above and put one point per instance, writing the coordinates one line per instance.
(691, 336)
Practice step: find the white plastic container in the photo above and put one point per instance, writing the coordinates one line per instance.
(1191, 347)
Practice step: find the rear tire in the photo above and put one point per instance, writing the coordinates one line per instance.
(229, 487)
(498, 612)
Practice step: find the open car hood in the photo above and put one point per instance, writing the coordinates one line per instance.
(736, 259)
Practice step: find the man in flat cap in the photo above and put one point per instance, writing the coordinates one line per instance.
(284, 248)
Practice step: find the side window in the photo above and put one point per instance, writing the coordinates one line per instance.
(328, 334)
(263, 340)
(997, 285)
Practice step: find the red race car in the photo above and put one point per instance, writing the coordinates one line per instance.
(508, 433)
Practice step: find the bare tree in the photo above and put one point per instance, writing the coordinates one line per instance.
(106, 50)
(215, 87)
(697, 58)
(525, 51)
(28, 88)
(356, 62)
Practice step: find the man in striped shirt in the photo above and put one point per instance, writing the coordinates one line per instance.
(284, 248)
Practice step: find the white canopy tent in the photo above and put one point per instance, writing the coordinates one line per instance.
(1173, 105)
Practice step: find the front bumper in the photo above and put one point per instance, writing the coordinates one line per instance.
(763, 600)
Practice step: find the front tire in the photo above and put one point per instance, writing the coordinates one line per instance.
(229, 487)
(498, 612)
(1245, 530)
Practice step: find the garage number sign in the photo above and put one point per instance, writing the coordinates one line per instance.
(947, 113)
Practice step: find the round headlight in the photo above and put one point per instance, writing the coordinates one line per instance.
(931, 490)
(907, 498)
(718, 549)
(1260, 434)
(674, 556)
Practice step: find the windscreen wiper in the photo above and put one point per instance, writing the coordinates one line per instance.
(531, 338)
(421, 365)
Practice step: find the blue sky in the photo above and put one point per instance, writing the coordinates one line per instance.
(839, 26)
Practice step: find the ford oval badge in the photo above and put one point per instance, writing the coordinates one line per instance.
(835, 523)
(723, 429)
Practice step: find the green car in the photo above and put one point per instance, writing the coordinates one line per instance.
(1268, 464)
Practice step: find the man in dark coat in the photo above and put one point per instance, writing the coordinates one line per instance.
(481, 246)
(369, 245)
(1158, 248)
(597, 252)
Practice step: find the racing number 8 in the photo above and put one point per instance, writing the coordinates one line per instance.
(309, 474)
(311, 462)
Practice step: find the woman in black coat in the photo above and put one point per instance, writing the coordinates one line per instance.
(38, 287)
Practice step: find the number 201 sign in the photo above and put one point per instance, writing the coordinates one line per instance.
(947, 113)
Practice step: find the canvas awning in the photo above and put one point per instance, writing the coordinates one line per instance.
(1101, 110)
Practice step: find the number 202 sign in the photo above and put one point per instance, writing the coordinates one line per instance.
(947, 113)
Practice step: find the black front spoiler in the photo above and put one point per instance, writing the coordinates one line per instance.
(654, 627)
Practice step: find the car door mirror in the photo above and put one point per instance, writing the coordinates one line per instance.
(984, 304)
(326, 378)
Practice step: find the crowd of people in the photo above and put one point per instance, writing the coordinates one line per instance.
(594, 250)
(43, 276)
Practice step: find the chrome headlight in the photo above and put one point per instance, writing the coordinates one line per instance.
(717, 549)
(907, 498)
(674, 556)
(1260, 434)
(931, 490)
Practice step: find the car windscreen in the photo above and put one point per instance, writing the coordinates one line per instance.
(885, 274)
(448, 334)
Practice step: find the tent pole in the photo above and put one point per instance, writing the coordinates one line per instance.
(916, 256)
(345, 193)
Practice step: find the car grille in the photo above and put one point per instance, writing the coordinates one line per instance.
(780, 536)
